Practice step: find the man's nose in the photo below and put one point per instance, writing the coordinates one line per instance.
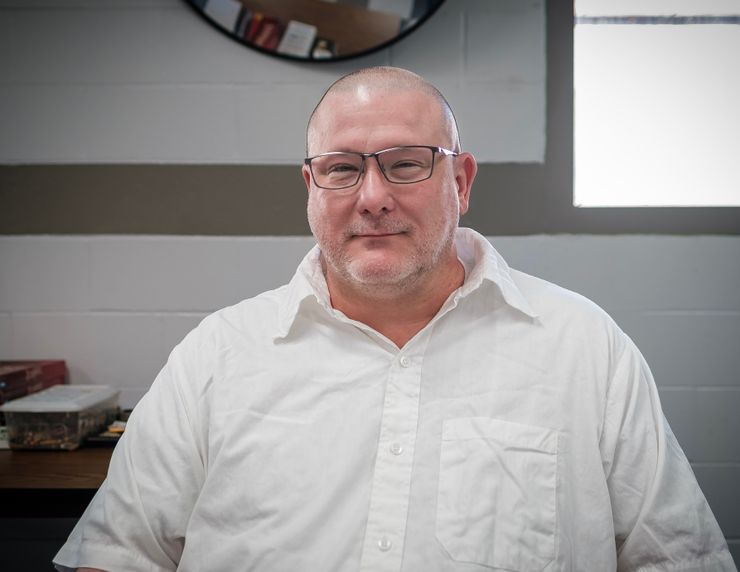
(375, 194)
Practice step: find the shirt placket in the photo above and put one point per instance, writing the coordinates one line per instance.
(389, 500)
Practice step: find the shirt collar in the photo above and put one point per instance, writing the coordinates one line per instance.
(482, 262)
(307, 283)
(486, 265)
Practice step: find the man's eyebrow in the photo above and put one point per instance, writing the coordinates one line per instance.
(337, 150)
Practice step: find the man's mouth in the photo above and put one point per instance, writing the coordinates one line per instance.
(376, 234)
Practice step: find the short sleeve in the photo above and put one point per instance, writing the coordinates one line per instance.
(138, 518)
(662, 521)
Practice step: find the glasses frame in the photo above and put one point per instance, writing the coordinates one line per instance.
(364, 156)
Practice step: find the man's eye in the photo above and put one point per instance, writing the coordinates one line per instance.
(342, 168)
(406, 165)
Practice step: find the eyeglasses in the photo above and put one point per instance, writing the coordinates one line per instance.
(400, 165)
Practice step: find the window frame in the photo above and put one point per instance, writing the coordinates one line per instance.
(538, 198)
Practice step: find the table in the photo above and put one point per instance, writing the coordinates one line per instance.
(50, 483)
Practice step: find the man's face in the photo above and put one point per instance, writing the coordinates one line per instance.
(377, 232)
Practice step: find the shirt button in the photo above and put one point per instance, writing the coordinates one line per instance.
(396, 448)
(385, 544)
(405, 362)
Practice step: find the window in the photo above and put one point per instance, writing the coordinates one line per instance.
(657, 112)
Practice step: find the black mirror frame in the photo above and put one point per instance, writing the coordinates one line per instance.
(194, 4)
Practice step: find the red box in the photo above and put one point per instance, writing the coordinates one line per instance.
(19, 378)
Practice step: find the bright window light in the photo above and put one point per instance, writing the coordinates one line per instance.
(657, 103)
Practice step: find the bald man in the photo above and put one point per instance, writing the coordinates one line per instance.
(406, 403)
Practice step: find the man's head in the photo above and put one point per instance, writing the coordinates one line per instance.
(376, 232)
(386, 79)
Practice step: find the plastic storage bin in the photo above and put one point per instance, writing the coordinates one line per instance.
(59, 417)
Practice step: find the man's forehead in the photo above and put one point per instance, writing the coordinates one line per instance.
(346, 119)
(400, 106)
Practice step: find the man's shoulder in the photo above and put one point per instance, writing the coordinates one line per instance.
(553, 302)
(576, 327)
(257, 316)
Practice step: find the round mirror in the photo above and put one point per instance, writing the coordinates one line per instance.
(316, 30)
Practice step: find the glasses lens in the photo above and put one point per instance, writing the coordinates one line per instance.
(336, 170)
(407, 164)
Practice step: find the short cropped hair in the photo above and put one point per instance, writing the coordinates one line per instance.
(390, 78)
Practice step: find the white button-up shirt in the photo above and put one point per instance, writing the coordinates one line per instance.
(520, 430)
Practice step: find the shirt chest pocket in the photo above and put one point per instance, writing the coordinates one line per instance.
(496, 497)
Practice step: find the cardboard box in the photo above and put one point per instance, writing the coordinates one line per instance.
(21, 378)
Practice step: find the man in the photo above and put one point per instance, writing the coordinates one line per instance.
(407, 402)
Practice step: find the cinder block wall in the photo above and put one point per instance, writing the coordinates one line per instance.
(145, 81)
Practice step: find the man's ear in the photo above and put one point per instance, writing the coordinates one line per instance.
(306, 172)
(466, 168)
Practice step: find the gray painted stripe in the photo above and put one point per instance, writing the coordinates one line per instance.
(271, 200)
(152, 199)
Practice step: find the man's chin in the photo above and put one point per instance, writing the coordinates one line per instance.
(379, 274)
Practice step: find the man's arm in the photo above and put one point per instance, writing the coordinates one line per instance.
(138, 518)
(661, 518)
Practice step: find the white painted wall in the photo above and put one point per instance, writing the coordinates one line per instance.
(147, 81)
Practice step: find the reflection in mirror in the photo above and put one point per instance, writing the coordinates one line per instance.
(316, 30)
